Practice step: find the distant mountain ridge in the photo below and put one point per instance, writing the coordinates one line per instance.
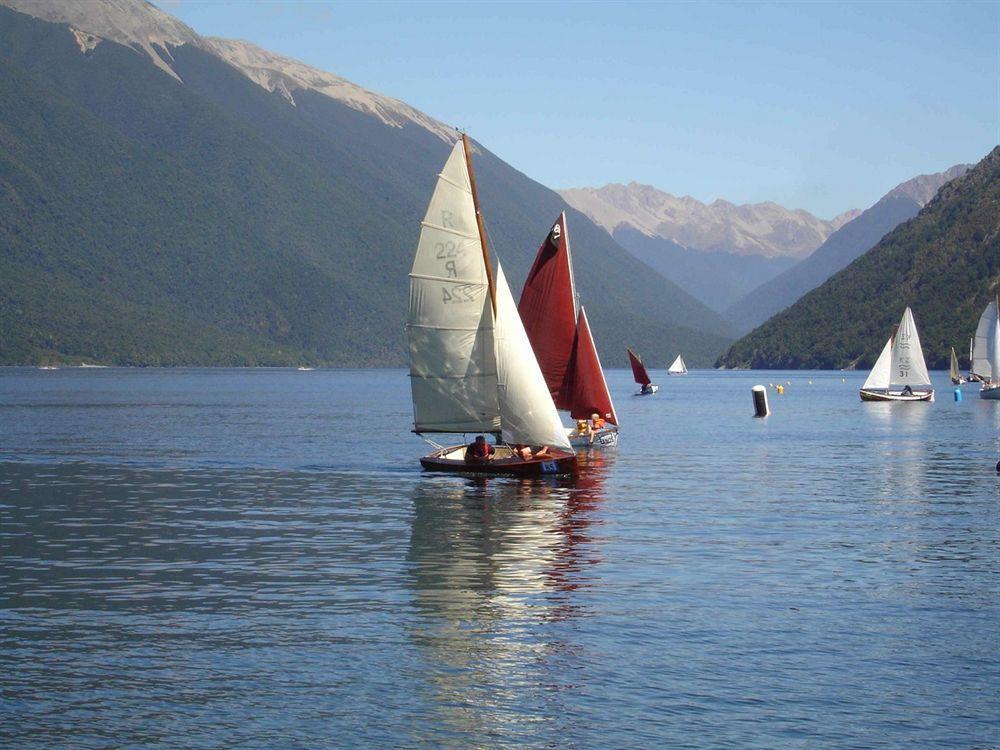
(853, 239)
(229, 213)
(944, 263)
(145, 27)
(764, 229)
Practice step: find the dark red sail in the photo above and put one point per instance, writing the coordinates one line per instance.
(638, 368)
(548, 311)
(589, 389)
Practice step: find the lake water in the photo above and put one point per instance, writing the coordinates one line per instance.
(253, 558)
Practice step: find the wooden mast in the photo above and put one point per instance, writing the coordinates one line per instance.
(479, 221)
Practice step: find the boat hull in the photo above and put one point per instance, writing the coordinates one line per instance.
(872, 395)
(652, 389)
(992, 393)
(452, 459)
(606, 438)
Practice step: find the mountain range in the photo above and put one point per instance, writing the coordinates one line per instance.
(167, 198)
(853, 239)
(717, 251)
(944, 263)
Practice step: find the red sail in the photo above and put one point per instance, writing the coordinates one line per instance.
(638, 368)
(590, 390)
(548, 311)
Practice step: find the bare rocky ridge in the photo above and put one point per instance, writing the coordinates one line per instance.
(146, 28)
(764, 229)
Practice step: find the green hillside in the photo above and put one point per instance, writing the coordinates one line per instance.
(144, 221)
(944, 264)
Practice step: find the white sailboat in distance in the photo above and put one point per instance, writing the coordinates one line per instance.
(986, 351)
(900, 373)
(678, 367)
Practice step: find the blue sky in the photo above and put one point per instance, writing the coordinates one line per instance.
(822, 106)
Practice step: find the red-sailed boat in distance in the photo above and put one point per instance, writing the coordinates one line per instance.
(640, 375)
(560, 336)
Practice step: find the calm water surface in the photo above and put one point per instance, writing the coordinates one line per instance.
(252, 558)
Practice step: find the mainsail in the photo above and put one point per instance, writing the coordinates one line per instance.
(638, 368)
(678, 367)
(548, 309)
(559, 333)
(908, 367)
(527, 413)
(982, 364)
(953, 368)
(879, 376)
(471, 365)
(453, 374)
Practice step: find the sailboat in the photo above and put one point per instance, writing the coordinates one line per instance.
(557, 327)
(900, 373)
(972, 377)
(678, 367)
(956, 376)
(641, 375)
(986, 351)
(472, 369)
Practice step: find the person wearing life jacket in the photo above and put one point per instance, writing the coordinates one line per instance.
(597, 422)
(479, 451)
(582, 427)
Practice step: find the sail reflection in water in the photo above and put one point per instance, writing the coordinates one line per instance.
(496, 568)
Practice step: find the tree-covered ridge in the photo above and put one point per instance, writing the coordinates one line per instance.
(944, 263)
(210, 222)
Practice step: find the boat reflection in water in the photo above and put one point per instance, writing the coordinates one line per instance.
(497, 570)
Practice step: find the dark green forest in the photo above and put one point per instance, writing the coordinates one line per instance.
(944, 263)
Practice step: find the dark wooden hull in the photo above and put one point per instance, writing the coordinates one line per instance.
(450, 460)
(867, 395)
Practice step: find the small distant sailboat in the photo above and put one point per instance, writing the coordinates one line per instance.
(306, 369)
(641, 375)
(472, 369)
(900, 373)
(678, 367)
(972, 377)
(986, 352)
(557, 327)
(956, 376)
(48, 367)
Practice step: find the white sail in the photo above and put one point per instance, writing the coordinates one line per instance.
(993, 351)
(678, 367)
(527, 413)
(879, 376)
(953, 366)
(981, 364)
(908, 366)
(453, 372)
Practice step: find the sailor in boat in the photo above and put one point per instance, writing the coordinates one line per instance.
(525, 452)
(479, 451)
(907, 391)
(597, 423)
(583, 427)
(647, 389)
